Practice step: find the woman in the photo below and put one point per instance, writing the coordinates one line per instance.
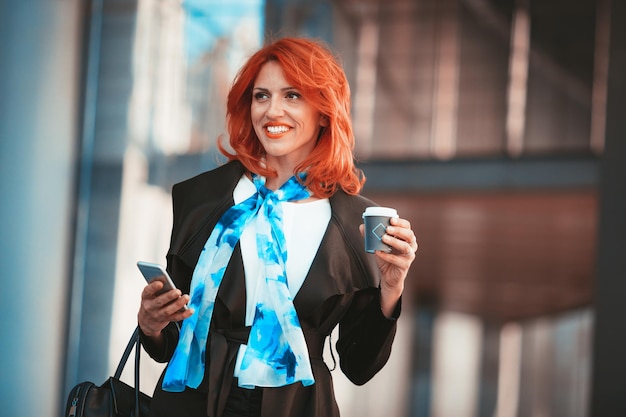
(251, 343)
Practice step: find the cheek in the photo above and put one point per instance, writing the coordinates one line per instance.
(314, 122)
(254, 113)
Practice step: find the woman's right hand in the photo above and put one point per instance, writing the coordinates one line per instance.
(157, 311)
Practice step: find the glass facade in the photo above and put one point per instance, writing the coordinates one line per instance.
(481, 121)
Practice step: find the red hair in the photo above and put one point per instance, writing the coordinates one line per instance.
(310, 67)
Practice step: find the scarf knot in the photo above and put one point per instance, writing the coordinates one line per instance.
(276, 353)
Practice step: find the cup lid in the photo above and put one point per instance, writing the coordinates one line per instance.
(380, 211)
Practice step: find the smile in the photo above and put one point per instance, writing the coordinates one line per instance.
(275, 131)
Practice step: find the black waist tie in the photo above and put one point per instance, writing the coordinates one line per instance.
(224, 344)
(221, 365)
(243, 402)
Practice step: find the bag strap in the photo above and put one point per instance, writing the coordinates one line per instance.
(135, 342)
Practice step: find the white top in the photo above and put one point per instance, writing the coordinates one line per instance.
(304, 225)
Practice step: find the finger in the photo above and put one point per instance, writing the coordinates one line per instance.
(176, 310)
(405, 237)
(400, 222)
(399, 260)
(398, 246)
(167, 298)
(156, 313)
(181, 315)
(412, 244)
(180, 311)
(151, 290)
(178, 305)
(401, 232)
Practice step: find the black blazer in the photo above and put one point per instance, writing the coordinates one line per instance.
(342, 287)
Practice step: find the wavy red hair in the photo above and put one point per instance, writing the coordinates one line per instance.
(310, 67)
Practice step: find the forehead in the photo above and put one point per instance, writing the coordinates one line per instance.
(271, 73)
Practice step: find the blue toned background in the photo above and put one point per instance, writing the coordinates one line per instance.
(495, 126)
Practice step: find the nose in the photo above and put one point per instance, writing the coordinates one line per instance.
(275, 108)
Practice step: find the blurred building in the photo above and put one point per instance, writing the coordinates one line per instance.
(494, 126)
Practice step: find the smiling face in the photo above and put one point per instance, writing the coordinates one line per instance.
(285, 123)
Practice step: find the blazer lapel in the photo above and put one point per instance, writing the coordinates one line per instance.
(341, 265)
(232, 291)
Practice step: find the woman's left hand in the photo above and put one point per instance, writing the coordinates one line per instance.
(394, 266)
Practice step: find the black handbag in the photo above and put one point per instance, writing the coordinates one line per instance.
(114, 398)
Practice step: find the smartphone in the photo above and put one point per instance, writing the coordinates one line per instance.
(152, 271)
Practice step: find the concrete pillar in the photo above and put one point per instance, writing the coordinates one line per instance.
(608, 396)
(39, 107)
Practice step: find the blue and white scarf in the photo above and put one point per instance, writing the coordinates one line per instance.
(276, 353)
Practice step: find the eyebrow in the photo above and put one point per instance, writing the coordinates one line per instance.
(284, 89)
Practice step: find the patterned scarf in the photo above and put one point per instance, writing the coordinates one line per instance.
(276, 353)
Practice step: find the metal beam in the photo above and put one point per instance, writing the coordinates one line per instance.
(482, 174)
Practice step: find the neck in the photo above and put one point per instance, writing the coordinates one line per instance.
(275, 183)
(285, 169)
(283, 175)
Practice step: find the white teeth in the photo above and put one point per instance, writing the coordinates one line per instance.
(277, 129)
